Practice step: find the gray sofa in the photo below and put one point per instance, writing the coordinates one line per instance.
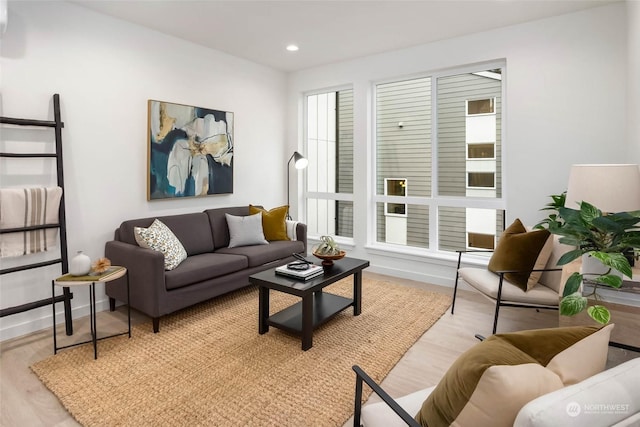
(211, 268)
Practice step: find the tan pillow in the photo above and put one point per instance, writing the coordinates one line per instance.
(518, 250)
(506, 371)
(273, 222)
(541, 262)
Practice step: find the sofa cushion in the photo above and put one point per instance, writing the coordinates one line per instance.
(273, 222)
(201, 267)
(519, 250)
(261, 254)
(160, 238)
(513, 369)
(487, 283)
(192, 229)
(245, 230)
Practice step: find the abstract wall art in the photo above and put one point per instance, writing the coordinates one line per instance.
(190, 151)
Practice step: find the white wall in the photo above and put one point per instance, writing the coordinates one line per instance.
(633, 78)
(105, 70)
(566, 84)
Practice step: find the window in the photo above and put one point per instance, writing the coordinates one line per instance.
(329, 175)
(481, 241)
(441, 133)
(480, 106)
(395, 187)
(481, 151)
(481, 179)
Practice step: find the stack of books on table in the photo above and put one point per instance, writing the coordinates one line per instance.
(309, 273)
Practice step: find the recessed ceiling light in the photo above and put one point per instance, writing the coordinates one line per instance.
(292, 48)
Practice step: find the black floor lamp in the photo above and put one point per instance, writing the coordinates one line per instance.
(300, 162)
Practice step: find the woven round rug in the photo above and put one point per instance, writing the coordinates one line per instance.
(209, 366)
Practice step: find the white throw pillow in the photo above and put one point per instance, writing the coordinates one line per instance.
(160, 238)
(245, 230)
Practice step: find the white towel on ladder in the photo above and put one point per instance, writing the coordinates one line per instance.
(23, 207)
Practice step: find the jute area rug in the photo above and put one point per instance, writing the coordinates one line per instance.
(208, 366)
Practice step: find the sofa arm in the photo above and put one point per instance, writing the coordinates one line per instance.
(301, 235)
(145, 268)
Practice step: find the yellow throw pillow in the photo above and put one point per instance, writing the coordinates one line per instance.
(273, 222)
(518, 250)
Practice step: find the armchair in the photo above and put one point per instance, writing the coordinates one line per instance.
(543, 290)
(513, 380)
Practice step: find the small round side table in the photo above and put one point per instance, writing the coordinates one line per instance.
(115, 272)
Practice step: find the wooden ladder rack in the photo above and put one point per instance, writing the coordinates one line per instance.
(66, 296)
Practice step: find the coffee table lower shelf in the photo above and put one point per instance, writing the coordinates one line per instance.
(325, 307)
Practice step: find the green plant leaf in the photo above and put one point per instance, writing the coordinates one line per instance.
(588, 212)
(573, 284)
(572, 304)
(567, 257)
(599, 313)
(609, 280)
(614, 260)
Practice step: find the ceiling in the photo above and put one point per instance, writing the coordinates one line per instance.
(326, 31)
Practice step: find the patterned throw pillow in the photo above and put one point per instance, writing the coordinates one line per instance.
(160, 238)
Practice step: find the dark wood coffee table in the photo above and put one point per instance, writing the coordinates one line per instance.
(316, 307)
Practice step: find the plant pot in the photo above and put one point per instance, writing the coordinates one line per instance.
(327, 260)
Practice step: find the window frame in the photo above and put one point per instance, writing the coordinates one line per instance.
(305, 194)
(435, 200)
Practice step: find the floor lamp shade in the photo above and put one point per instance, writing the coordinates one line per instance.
(299, 162)
(609, 187)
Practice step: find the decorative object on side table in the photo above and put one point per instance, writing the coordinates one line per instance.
(328, 251)
(101, 265)
(80, 265)
(606, 235)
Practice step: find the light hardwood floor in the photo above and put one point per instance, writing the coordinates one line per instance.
(25, 401)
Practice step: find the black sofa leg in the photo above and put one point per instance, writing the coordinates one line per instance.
(112, 304)
(156, 325)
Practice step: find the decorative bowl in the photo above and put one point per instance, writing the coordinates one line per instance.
(327, 260)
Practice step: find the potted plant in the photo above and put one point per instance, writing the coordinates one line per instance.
(328, 250)
(605, 237)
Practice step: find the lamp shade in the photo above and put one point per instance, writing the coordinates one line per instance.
(609, 187)
(299, 161)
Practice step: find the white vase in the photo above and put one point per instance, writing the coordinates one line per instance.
(80, 265)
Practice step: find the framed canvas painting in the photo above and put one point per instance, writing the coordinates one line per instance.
(190, 151)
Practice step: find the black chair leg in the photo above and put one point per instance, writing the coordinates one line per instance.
(455, 286)
(495, 319)
(358, 402)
